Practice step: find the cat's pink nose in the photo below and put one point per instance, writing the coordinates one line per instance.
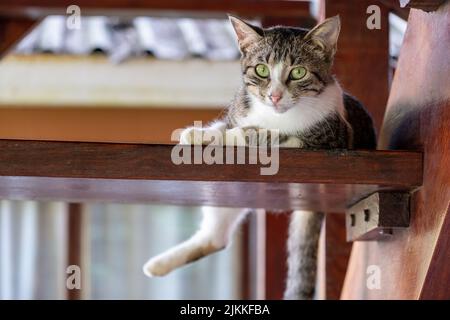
(275, 97)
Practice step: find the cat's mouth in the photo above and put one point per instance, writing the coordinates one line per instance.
(279, 108)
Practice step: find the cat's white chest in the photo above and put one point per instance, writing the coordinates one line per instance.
(301, 117)
(297, 119)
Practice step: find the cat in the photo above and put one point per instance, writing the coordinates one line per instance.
(287, 86)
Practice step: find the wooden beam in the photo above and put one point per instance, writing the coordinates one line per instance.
(426, 5)
(276, 256)
(362, 56)
(105, 7)
(12, 29)
(74, 237)
(377, 216)
(337, 253)
(417, 117)
(396, 169)
(316, 180)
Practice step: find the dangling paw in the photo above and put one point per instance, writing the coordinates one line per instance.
(157, 267)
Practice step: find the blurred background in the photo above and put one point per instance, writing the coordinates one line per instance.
(116, 240)
(132, 78)
(128, 65)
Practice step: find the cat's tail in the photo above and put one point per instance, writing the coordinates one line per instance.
(303, 242)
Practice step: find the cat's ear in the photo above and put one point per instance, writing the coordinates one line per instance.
(325, 35)
(246, 33)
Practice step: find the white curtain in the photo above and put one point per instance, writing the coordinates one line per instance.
(32, 250)
(117, 240)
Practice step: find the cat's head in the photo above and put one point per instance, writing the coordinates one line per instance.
(282, 64)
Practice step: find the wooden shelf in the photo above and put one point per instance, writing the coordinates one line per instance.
(119, 7)
(85, 172)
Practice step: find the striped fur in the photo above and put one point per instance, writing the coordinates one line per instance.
(313, 112)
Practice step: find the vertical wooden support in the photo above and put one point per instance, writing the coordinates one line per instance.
(12, 29)
(361, 66)
(435, 285)
(276, 256)
(414, 263)
(337, 251)
(362, 58)
(247, 261)
(74, 239)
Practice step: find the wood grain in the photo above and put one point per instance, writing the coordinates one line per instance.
(74, 236)
(418, 117)
(317, 180)
(361, 65)
(374, 217)
(435, 285)
(276, 255)
(362, 61)
(337, 251)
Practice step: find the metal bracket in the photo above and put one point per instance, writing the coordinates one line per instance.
(375, 217)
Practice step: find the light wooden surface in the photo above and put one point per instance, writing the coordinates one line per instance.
(361, 65)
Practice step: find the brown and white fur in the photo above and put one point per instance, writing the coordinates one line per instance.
(312, 112)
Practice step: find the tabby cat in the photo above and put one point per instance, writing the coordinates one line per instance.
(287, 86)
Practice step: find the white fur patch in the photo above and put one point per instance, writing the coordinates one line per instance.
(308, 112)
(277, 76)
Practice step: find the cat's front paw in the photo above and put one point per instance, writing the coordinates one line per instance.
(201, 136)
(235, 137)
(191, 136)
(292, 142)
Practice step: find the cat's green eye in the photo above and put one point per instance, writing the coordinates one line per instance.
(262, 70)
(298, 73)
